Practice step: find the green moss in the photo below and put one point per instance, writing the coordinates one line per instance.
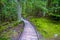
(46, 27)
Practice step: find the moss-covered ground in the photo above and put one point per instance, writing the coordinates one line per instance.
(46, 27)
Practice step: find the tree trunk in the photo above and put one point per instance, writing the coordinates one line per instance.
(19, 9)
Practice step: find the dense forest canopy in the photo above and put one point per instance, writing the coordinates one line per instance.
(8, 10)
(34, 7)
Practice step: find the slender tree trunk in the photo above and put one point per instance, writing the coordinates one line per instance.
(19, 9)
(19, 12)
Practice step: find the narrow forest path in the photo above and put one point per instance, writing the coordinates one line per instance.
(29, 32)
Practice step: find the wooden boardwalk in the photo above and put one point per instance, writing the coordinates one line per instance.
(29, 32)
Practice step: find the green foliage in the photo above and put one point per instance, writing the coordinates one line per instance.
(9, 10)
(54, 8)
(30, 7)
